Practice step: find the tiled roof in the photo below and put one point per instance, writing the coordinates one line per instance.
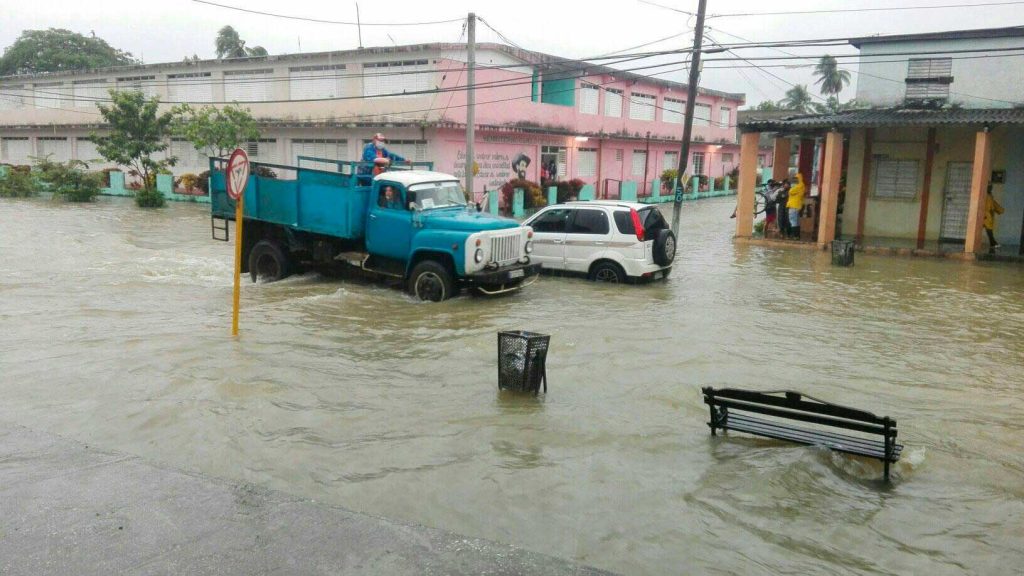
(883, 117)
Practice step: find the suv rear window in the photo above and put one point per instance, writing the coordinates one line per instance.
(650, 217)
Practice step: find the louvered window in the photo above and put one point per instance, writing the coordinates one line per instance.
(247, 85)
(929, 78)
(896, 179)
(397, 78)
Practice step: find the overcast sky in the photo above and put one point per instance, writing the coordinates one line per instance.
(171, 29)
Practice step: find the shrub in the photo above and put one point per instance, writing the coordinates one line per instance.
(568, 189)
(66, 179)
(149, 198)
(720, 183)
(203, 181)
(17, 184)
(668, 178)
(759, 227)
(105, 176)
(264, 172)
(188, 181)
(533, 196)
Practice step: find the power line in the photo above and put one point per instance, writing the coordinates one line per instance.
(322, 21)
(845, 10)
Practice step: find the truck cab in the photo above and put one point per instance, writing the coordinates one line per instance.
(414, 225)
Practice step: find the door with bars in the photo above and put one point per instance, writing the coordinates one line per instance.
(956, 201)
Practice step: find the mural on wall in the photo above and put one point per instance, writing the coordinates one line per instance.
(520, 164)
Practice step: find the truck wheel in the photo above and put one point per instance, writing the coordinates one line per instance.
(267, 261)
(664, 248)
(431, 281)
(607, 272)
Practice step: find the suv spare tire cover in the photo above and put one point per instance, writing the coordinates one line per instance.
(664, 247)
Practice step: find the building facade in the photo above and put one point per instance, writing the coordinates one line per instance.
(576, 119)
(947, 124)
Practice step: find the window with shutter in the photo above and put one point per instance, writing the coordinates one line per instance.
(12, 97)
(54, 148)
(702, 115)
(670, 161)
(247, 85)
(698, 164)
(315, 82)
(85, 150)
(929, 78)
(613, 103)
(724, 117)
(397, 78)
(87, 93)
(413, 150)
(641, 106)
(144, 84)
(327, 148)
(896, 179)
(639, 162)
(672, 111)
(191, 87)
(586, 165)
(589, 95)
(51, 95)
(15, 150)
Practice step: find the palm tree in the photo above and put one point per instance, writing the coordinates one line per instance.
(831, 78)
(229, 43)
(256, 51)
(797, 99)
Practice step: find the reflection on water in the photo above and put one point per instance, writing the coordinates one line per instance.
(114, 331)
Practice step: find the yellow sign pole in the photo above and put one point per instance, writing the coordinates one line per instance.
(238, 262)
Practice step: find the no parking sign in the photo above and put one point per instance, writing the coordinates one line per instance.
(236, 179)
(238, 173)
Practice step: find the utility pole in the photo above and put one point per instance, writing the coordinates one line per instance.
(691, 88)
(470, 102)
(359, 26)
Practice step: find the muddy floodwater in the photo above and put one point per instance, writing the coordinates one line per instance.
(114, 331)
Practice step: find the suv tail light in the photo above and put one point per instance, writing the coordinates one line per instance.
(637, 225)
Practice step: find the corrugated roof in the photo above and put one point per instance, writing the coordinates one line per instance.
(884, 117)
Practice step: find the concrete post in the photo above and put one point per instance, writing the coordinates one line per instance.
(748, 181)
(552, 195)
(587, 192)
(695, 184)
(805, 160)
(979, 184)
(780, 160)
(655, 189)
(831, 173)
(711, 186)
(728, 183)
(517, 203)
(627, 191)
(493, 196)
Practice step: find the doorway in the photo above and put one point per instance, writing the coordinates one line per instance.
(956, 202)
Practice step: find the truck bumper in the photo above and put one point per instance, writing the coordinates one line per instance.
(504, 279)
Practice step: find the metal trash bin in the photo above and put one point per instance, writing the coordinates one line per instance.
(842, 252)
(522, 361)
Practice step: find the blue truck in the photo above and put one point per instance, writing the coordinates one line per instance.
(412, 225)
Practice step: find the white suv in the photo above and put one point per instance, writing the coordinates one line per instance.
(608, 241)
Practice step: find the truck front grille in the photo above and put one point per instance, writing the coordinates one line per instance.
(506, 249)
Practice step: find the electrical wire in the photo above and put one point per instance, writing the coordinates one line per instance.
(321, 21)
(847, 10)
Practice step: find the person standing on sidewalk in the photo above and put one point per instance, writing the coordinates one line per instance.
(795, 204)
(991, 209)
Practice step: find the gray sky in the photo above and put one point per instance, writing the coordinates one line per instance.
(170, 29)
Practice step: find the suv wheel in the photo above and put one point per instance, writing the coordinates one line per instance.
(664, 248)
(608, 272)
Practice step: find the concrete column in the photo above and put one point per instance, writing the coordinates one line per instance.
(780, 161)
(748, 180)
(926, 188)
(832, 170)
(805, 161)
(979, 182)
(865, 177)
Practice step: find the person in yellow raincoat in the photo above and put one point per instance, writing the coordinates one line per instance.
(991, 209)
(795, 204)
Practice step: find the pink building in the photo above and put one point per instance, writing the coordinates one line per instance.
(574, 119)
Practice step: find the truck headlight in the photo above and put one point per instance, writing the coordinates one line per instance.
(529, 247)
(478, 256)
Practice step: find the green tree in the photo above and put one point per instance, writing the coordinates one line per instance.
(137, 131)
(768, 106)
(831, 78)
(229, 44)
(256, 51)
(57, 50)
(797, 99)
(216, 131)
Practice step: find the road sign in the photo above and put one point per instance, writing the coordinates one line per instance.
(238, 173)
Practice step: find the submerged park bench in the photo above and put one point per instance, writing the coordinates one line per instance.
(730, 407)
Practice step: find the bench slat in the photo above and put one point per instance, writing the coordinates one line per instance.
(837, 442)
(802, 416)
(797, 401)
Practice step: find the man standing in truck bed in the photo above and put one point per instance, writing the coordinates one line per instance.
(372, 152)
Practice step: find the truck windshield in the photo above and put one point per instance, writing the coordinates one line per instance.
(437, 195)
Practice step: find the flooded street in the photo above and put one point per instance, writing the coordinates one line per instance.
(114, 330)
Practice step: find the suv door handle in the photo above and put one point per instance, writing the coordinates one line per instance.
(558, 241)
(373, 216)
